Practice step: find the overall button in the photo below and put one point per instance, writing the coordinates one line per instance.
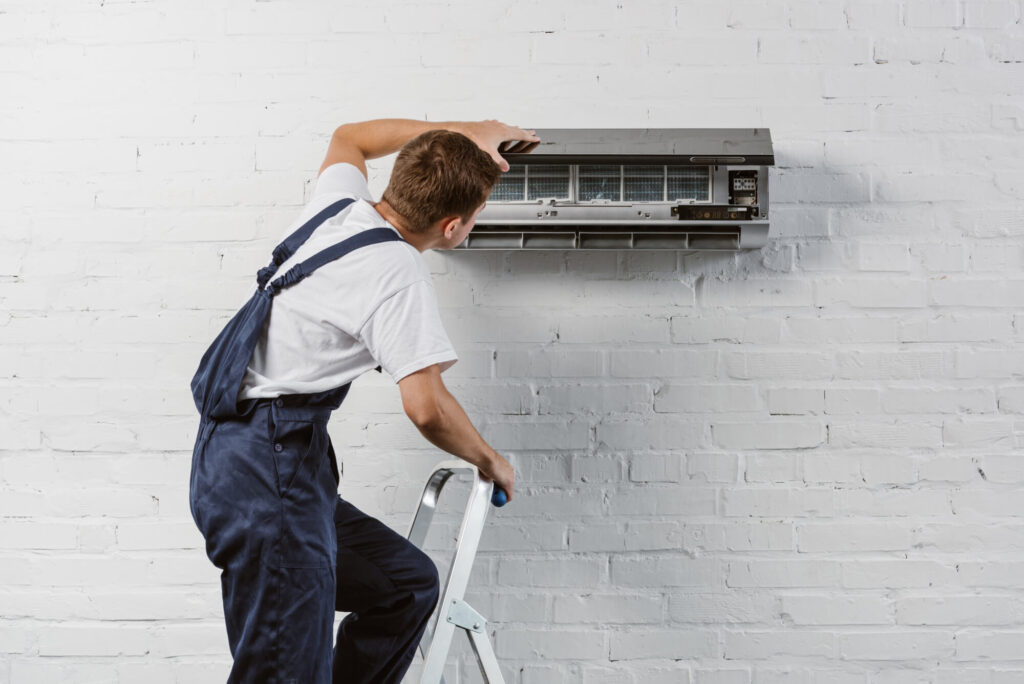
(279, 402)
(278, 447)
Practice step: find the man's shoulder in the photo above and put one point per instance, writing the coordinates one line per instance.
(390, 264)
(342, 178)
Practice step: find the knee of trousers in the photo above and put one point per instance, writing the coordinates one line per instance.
(425, 584)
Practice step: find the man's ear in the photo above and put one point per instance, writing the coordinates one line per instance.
(450, 225)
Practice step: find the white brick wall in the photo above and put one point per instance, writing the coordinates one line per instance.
(802, 465)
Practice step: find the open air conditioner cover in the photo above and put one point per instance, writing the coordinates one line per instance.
(626, 188)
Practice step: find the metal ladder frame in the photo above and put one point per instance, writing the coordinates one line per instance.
(454, 611)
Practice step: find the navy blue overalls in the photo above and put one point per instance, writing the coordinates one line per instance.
(264, 492)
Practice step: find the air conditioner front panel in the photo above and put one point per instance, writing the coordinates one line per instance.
(699, 146)
(679, 189)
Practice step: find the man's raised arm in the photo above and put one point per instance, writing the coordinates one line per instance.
(356, 142)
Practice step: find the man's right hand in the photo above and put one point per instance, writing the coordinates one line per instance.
(501, 472)
(490, 133)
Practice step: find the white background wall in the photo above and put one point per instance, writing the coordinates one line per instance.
(801, 464)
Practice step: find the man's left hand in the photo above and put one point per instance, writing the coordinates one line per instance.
(491, 133)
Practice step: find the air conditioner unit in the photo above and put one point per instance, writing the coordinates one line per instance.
(632, 188)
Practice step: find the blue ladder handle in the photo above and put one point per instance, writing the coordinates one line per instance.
(499, 498)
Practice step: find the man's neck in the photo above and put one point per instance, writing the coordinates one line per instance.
(419, 241)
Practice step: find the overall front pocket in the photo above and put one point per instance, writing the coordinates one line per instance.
(308, 537)
(299, 450)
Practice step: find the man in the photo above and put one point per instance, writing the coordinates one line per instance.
(355, 295)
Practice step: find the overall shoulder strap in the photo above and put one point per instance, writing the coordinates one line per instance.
(286, 249)
(361, 239)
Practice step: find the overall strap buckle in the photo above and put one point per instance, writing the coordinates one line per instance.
(336, 251)
(287, 248)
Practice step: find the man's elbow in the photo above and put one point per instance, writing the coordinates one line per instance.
(424, 406)
(427, 416)
(423, 397)
(348, 134)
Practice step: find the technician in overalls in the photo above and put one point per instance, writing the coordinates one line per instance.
(347, 291)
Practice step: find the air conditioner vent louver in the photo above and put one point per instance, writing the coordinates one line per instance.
(655, 188)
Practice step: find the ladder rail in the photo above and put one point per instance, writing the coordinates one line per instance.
(454, 611)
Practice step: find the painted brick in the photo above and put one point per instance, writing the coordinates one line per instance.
(852, 537)
(792, 465)
(551, 644)
(712, 467)
(656, 468)
(770, 573)
(896, 646)
(584, 608)
(895, 574)
(795, 401)
(704, 398)
(779, 434)
(731, 607)
(674, 644)
(753, 536)
(979, 645)
(664, 570)
(764, 644)
(776, 502)
(773, 467)
(656, 499)
(838, 610)
(551, 572)
(958, 610)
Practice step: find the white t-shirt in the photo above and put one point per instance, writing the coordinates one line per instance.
(375, 306)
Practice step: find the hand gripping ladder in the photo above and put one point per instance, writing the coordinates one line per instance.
(454, 611)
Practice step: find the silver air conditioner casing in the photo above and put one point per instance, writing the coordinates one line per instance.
(631, 188)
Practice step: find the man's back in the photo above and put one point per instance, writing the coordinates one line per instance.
(376, 306)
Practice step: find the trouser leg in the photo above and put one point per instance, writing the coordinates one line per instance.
(390, 589)
(266, 515)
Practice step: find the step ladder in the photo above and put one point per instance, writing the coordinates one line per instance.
(454, 612)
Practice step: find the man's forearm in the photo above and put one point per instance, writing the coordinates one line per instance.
(381, 137)
(454, 432)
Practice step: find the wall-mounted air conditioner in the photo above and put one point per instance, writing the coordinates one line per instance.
(632, 188)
